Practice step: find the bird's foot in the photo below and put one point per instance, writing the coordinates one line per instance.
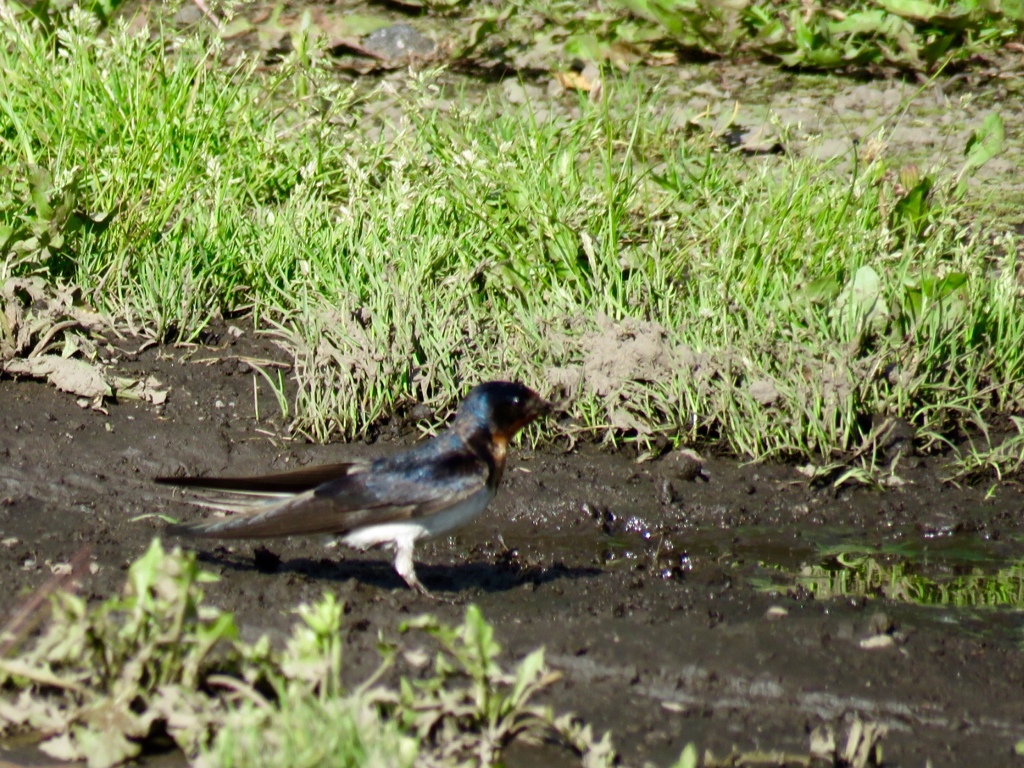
(415, 584)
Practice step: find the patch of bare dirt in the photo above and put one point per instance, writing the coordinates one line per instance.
(634, 577)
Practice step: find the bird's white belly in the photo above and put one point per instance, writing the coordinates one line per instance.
(425, 527)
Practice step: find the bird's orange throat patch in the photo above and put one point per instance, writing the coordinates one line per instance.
(505, 436)
(499, 450)
(500, 445)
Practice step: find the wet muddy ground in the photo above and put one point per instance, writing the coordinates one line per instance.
(641, 583)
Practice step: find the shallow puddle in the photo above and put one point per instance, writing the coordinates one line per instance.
(966, 581)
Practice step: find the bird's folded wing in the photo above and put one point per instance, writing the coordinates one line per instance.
(295, 481)
(362, 496)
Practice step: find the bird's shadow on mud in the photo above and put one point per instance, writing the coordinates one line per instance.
(450, 579)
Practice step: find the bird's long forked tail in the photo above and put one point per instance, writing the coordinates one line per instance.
(266, 506)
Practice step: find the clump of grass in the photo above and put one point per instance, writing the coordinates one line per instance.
(777, 306)
(102, 683)
(1002, 459)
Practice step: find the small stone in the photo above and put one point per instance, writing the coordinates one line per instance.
(399, 41)
(880, 624)
(876, 642)
(684, 465)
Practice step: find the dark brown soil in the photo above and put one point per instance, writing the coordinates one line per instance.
(636, 580)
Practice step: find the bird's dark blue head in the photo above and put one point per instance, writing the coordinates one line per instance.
(501, 407)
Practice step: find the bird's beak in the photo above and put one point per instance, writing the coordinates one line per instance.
(540, 407)
(533, 409)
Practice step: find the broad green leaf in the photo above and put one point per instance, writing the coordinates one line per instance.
(939, 289)
(688, 757)
(324, 618)
(106, 748)
(914, 9)
(862, 299)
(863, 23)
(912, 209)
(143, 572)
(986, 142)
(1013, 9)
(802, 34)
(820, 291)
(528, 672)
(938, 47)
(928, 292)
(40, 186)
(237, 27)
(222, 627)
(825, 56)
(479, 639)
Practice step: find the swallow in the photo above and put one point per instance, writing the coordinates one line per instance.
(432, 489)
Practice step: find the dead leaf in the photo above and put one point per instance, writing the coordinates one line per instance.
(75, 376)
(237, 27)
(148, 389)
(863, 747)
(34, 314)
(61, 747)
(823, 743)
(587, 80)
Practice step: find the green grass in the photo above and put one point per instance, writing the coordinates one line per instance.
(104, 682)
(402, 250)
